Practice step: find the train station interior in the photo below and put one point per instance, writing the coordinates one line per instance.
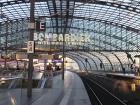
(69, 52)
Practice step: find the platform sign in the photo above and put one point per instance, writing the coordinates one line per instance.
(30, 47)
(41, 26)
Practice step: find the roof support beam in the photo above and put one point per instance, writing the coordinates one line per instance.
(91, 59)
(110, 4)
(123, 69)
(108, 60)
(113, 4)
(97, 58)
(83, 60)
(79, 60)
(75, 59)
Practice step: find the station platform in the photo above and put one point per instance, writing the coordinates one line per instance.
(117, 75)
(123, 76)
(71, 91)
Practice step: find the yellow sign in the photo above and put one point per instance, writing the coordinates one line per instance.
(45, 56)
(35, 56)
(21, 56)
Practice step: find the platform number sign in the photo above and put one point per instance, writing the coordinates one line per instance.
(30, 47)
(40, 26)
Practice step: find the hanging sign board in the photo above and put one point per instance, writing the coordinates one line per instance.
(30, 47)
(21, 56)
(46, 56)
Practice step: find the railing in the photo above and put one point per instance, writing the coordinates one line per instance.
(13, 87)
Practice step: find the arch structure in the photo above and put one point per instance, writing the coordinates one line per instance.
(105, 32)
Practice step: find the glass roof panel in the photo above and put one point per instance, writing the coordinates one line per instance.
(6, 0)
(101, 21)
(108, 13)
(17, 11)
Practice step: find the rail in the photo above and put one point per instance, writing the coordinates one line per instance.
(102, 95)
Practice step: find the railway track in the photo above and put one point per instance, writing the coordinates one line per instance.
(98, 94)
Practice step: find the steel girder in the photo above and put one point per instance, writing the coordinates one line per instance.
(97, 58)
(107, 59)
(85, 59)
(91, 59)
(76, 54)
(112, 4)
(79, 60)
(123, 69)
(76, 60)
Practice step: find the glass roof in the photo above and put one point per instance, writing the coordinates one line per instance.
(18, 11)
(111, 24)
(107, 13)
(102, 25)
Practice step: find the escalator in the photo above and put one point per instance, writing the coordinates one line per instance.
(40, 80)
(37, 82)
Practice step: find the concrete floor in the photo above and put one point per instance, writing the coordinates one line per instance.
(68, 92)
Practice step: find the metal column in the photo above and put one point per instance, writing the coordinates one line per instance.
(63, 66)
(5, 56)
(30, 55)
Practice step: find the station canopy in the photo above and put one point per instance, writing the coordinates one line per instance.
(105, 28)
